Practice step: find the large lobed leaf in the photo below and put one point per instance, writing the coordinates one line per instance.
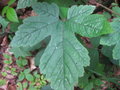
(64, 59)
(113, 39)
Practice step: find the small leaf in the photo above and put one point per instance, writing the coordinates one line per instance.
(29, 77)
(11, 15)
(24, 62)
(20, 87)
(63, 12)
(8, 61)
(4, 74)
(117, 10)
(21, 76)
(7, 56)
(4, 10)
(26, 71)
(25, 84)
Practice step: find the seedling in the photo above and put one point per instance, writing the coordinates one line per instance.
(36, 80)
(26, 75)
(2, 82)
(21, 62)
(10, 12)
(4, 74)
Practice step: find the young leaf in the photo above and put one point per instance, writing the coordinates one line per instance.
(63, 12)
(4, 10)
(26, 71)
(113, 39)
(25, 3)
(29, 77)
(21, 76)
(117, 10)
(64, 59)
(11, 15)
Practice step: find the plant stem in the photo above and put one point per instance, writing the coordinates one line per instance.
(98, 4)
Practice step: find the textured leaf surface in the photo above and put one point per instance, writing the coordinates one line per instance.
(3, 22)
(25, 3)
(113, 39)
(64, 58)
(87, 25)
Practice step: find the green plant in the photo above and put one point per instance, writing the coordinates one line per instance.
(25, 75)
(8, 59)
(10, 12)
(4, 74)
(37, 80)
(64, 59)
(21, 62)
(2, 82)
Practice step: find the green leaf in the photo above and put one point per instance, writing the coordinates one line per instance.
(4, 10)
(4, 74)
(21, 76)
(63, 12)
(98, 82)
(25, 84)
(21, 62)
(14, 26)
(11, 15)
(80, 20)
(25, 3)
(64, 58)
(7, 56)
(20, 87)
(26, 71)
(117, 10)
(107, 15)
(107, 51)
(29, 77)
(7, 61)
(3, 22)
(113, 39)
